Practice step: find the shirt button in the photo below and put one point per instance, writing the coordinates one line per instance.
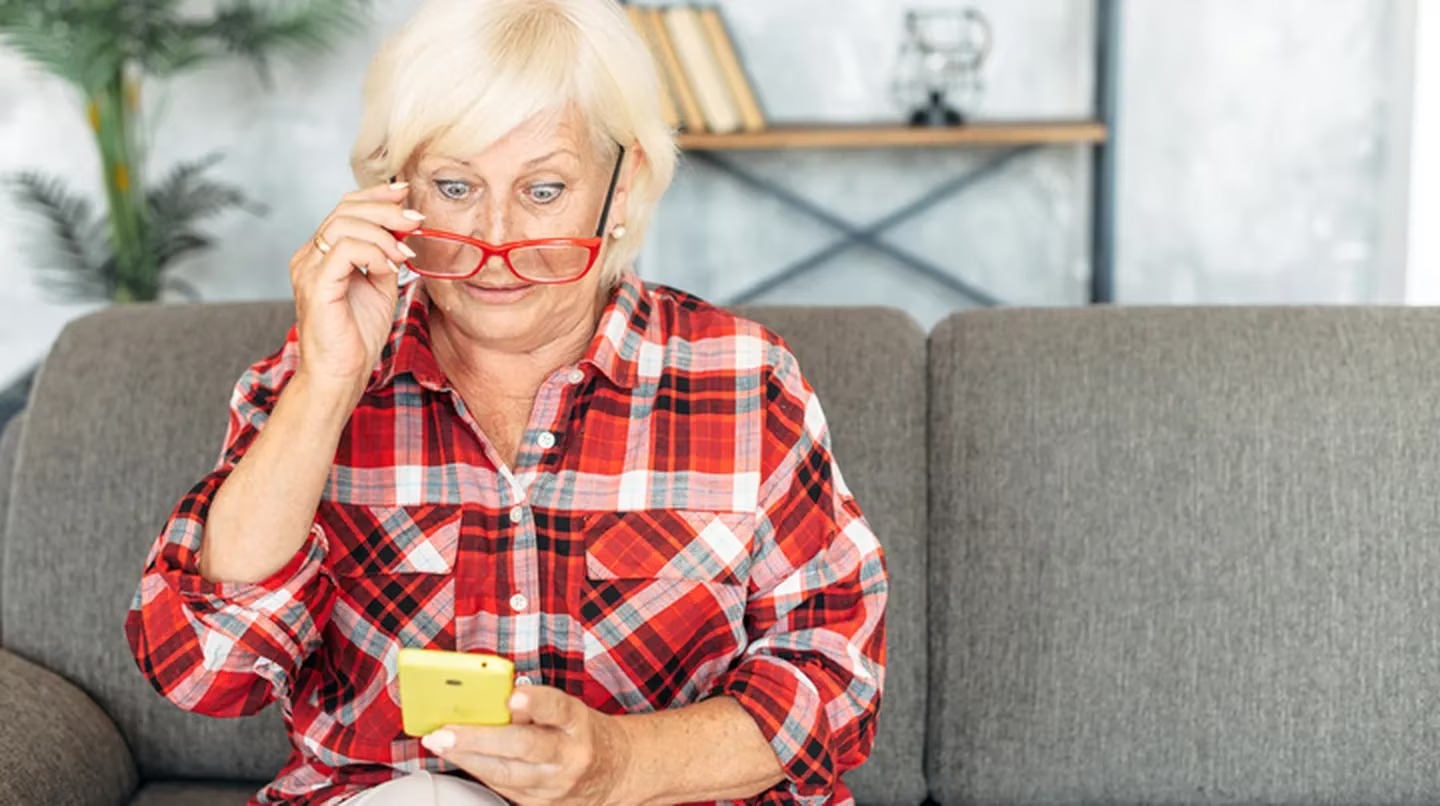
(518, 602)
(522, 680)
(517, 513)
(546, 440)
(575, 376)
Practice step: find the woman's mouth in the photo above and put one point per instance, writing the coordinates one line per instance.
(499, 295)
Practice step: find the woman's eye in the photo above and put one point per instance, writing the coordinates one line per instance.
(544, 194)
(452, 189)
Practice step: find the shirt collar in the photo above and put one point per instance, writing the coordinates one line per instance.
(624, 328)
(408, 350)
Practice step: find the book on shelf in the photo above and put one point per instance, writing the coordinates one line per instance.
(668, 105)
(702, 69)
(704, 86)
(752, 118)
(691, 117)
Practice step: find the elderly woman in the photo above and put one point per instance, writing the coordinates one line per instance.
(486, 434)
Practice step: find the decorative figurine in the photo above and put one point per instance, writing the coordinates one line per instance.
(938, 75)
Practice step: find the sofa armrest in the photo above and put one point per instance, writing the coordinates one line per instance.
(58, 746)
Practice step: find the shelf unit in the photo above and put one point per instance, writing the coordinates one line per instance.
(890, 136)
(1011, 140)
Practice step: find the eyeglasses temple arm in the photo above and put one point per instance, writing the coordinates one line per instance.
(610, 194)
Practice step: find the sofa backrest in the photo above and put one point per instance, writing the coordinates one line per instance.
(127, 413)
(1185, 556)
(130, 410)
(868, 368)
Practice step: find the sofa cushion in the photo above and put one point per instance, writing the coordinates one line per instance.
(1185, 556)
(193, 793)
(58, 746)
(868, 368)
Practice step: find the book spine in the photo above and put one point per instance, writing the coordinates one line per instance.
(701, 67)
(668, 109)
(752, 117)
(690, 113)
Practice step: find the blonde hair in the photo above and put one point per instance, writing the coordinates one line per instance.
(461, 74)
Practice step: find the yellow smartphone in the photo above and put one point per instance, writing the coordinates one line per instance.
(439, 688)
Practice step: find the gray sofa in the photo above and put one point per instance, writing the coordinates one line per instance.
(1138, 556)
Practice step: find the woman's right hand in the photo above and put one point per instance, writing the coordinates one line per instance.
(344, 315)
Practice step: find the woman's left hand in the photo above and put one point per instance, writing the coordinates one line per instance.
(556, 750)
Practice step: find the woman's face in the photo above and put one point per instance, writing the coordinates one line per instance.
(535, 183)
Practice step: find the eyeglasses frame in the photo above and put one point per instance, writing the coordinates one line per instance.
(489, 250)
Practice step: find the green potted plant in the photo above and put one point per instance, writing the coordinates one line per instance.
(107, 49)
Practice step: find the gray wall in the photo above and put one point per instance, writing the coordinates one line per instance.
(1257, 158)
(1265, 151)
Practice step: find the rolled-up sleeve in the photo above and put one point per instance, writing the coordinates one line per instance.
(813, 671)
(228, 649)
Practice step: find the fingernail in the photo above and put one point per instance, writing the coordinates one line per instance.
(413, 215)
(399, 185)
(518, 701)
(406, 250)
(439, 741)
(393, 267)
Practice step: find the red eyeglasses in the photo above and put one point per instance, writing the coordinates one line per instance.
(546, 261)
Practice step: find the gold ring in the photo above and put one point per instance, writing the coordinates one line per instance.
(322, 244)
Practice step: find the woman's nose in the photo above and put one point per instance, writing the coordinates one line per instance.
(493, 224)
(495, 265)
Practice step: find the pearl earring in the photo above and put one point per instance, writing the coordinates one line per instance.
(618, 232)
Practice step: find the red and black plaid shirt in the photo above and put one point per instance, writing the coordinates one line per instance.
(673, 528)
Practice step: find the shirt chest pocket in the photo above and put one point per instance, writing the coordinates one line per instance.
(393, 568)
(662, 606)
(373, 540)
(694, 545)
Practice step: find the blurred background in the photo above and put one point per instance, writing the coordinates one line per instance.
(1273, 152)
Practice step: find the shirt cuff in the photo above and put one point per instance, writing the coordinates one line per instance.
(787, 707)
(260, 596)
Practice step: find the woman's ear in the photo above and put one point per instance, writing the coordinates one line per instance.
(634, 158)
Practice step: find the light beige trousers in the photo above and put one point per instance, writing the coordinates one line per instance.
(424, 789)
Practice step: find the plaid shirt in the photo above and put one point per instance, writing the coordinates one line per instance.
(674, 528)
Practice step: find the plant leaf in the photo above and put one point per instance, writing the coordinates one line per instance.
(186, 196)
(76, 265)
(255, 31)
(184, 288)
(178, 245)
(181, 201)
(88, 42)
(79, 42)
